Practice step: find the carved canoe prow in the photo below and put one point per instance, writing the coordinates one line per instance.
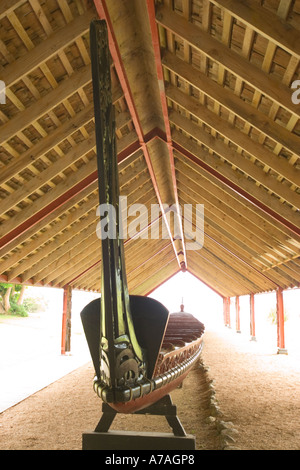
(139, 351)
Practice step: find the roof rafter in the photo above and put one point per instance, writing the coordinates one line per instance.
(264, 22)
(227, 58)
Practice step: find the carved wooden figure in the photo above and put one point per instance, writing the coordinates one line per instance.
(140, 352)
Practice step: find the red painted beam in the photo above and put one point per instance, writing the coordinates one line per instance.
(103, 13)
(266, 209)
(164, 105)
(68, 195)
(71, 193)
(161, 283)
(205, 283)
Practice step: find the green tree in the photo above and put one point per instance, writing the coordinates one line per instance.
(11, 299)
(272, 317)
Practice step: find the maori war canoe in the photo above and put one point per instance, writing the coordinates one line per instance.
(140, 352)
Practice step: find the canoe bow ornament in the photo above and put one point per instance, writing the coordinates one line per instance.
(140, 351)
(122, 360)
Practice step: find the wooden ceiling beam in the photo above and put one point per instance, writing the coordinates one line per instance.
(248, 145)
(78, 255)
(46, 144)
(222, 234)
(279, 233)
(86, 176)
(103, 13)
(227, 58)
(44, 51)
(264, 22)
(67, 88)
(216, 289)
(215, 232)
(239, 227)
(50, 199)
(163, 100)
(51, 232)
(231, 269)
(208, 268)
(155, 280)
(84, 264)
(44, 223)
(8, 6)
(202, 272)
(232, 102)
(30, 266)
(38, 181)
(153, 275)
(246, 188)
(228, 205)
(244, 262)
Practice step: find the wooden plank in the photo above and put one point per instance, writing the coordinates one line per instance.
(209, 280)
(8, 6)
(66, 88)
(44, 51)
(28, 188)
(155, 278)
(220, 222)
(224, 193)
(256, 150)
(36, 228)
(206, 268)
(227, 267)
(228, 58)
(57, 249)
(65, 264)
(124, 440)
(50, 233)
(191, 149)
(49, 197)
(239, 221)
(223, 235)
(233, 103)
(264, 22)
(46, 144)
(235, 159)
(44, 256)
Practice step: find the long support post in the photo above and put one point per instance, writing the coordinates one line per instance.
(280, 322)
(226, 311)
(252, 318)
(237, 314)
(66, 320)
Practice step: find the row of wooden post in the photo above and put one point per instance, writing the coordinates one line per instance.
(67, 307)
(279, 312)
(66, 320)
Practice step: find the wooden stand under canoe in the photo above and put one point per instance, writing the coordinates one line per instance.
(140, 352)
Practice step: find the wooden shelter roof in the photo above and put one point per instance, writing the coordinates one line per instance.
(203, 96)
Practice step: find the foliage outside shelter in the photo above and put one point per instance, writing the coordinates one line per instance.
(13, 302)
